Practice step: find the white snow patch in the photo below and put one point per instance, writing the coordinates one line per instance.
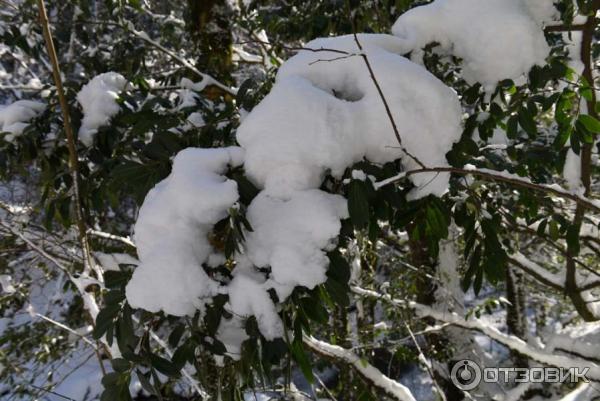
(172, 228)
(14, 117)
(572, 172)
(324, 116)
(6, 284)
(98, 101)
(497, 39)
(289, 236)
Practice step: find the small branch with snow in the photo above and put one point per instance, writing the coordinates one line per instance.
(368, 372)
(67, 328)
(509, 341)
(113, 237)
(193, 382)
(426, 363)
(207, 80)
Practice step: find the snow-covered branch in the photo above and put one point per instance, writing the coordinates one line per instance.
(368, 372)
(499, 176)
(509, 341)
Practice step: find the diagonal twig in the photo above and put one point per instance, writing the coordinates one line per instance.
(385, 103)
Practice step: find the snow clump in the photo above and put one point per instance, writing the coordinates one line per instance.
(171, 232)
(15, 117)
(497, 39)
(320, 118)
(98, 101)
(323, 116)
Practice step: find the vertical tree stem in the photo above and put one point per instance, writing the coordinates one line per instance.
(586, 166)
(73, 160)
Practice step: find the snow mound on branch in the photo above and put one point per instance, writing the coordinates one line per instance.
(14, 117)
(290, 236)
(98, 101)
(323, 116)
(543, 11)
(497, 39)
(172, 228)
(248, 297)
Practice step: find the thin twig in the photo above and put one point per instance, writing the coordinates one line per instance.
(9, 4)
(45, 390)
(564, 28)
(113, 237)
(95, 347)
(333, 59)
(296, 48)
(369, 373)
(385, 103)
(67, 328)
(510, 341)
(193, 382)
(425, 362)
(206, 78)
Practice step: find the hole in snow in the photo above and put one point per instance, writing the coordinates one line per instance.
(348, 94)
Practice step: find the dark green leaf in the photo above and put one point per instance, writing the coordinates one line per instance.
(358, 204)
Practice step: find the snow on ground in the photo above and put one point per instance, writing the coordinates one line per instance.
(98, 101)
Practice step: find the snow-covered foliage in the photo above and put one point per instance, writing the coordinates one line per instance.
(317, 119)
(98, 99)
(183, 208)
(15, 117)
(496, 39)
(250, 213)
(320, 117)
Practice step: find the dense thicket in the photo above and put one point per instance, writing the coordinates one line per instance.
(218, 206)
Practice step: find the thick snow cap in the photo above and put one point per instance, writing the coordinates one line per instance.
(497, 39)
(324, 114)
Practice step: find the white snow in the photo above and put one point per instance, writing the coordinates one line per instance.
(111, 261)
(289, 236)
(98, 101)
(247, 297)
(323, 116)
(6, 284)
(320, 117)
(15, 116)
(172, 227)
(543, 11)
(232, 334)
(572, 172)
(497, 39)
(393, 388)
